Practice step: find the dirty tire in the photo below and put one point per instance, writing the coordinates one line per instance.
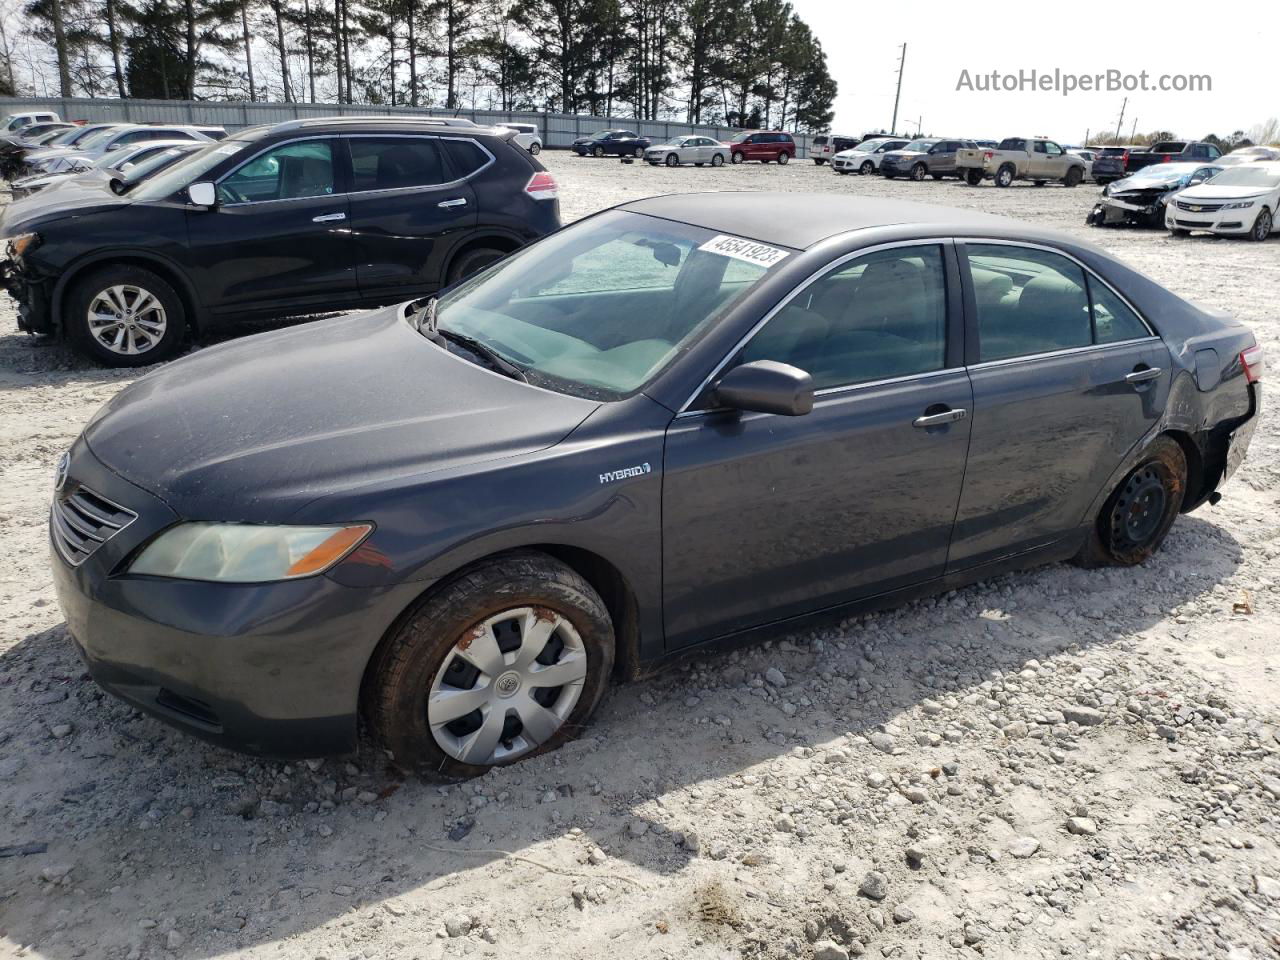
(717, 160)
(784, 158)
(535, 148)
(84, 293)
(673, 160)
(1073, 177)
(1263, 226)
(918, 172)
(738, 158)
(396, 685)
(1005, 175)
(473, 261)
(1137, 516)
(638, 152)
(973, 177)
(597, 152)
(867, 168)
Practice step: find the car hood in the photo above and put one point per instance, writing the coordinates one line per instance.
(1208, 192)
(1145, 183)
(255, 430)
(903, 153)
(71, 200)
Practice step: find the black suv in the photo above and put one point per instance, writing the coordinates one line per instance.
(300, 217)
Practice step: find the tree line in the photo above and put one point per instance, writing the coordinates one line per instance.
(725, 62)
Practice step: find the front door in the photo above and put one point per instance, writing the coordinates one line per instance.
(1066, 379)
(409, 208)
(278, 237)
(768, 516)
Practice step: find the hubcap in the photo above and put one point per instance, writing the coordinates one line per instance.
(506, 686)
(1139, 509)
(126, 319)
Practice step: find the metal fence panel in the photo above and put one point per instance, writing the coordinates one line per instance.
(558, 129)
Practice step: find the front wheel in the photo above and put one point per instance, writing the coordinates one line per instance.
(507, 660)
(1262, 226)
(535, 148)
(718, 160)
(918, 172)
(125, 316)
(638, 152)
(1137, 516)
(673, 160)
(867, 168)
(1073, 177)
(784, 158)
(738, 158)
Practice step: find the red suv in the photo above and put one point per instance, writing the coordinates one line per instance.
(763, 146)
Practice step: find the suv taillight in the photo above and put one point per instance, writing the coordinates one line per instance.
(1251, 360)
(541, 186)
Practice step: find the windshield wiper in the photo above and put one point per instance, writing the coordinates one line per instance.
(494, 359)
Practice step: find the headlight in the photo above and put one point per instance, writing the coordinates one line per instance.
(22, 243)
(245, 553)
(1241, 205)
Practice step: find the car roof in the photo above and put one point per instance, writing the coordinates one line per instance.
(800, 220)
(456, 126)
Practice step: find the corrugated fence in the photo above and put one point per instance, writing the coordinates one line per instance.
(558, 129)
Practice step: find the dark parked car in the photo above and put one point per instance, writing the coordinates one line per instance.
(767, 146)
(925, 158)
(304, 216)
(646, 432)
(1141, 199)
(1173, 151)
(612, 143)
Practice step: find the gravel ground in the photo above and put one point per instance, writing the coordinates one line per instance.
(1057, 763)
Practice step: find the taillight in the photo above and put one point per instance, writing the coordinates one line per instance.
(988, 155)
(1124, 160)
(541, 186)
(1251, 360)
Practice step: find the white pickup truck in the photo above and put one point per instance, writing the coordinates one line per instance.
(1021, 158)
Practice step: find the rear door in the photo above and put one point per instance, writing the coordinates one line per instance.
(411, 201)
(278, 237)
(768, 516)
(1066, 379)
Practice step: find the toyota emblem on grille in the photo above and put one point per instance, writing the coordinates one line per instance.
(60, 472)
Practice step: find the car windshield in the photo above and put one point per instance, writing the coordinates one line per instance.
(601, 134)
(920, 145)
(677, 141)
(137, 170)
(868, 146)
(741, 137)
(1162, 171)
(600, 308)
(188, 171)
(1249, 175)
(97, 139)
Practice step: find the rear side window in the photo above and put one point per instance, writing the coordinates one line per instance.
(1113, 321)
(392, 163)
(880, 316)
(1013, 143)
(1028, 301)
(289, 172)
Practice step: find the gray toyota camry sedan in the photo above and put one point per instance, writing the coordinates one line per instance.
(679, 422)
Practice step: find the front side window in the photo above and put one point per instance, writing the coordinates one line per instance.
(600, 308)
(292, 171)
(1053, 150)
(880, 316)
(1028, 301)
(391, 163)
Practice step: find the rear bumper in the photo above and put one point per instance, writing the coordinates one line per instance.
(1238, 439)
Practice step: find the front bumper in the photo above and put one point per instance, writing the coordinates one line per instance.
(34, 302)
(1184, 216)
(269, 669)
(1112, 210)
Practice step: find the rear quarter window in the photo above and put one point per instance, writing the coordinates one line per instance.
(466, 157)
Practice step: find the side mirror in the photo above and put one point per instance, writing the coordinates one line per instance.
(766, 386)
(203, 194)
(1194, 180)
(116, 185)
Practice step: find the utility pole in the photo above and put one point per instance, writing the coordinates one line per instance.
(1134, 133)
(1120, 122)
(902, 61)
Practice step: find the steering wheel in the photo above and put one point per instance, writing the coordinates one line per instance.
(232, 193)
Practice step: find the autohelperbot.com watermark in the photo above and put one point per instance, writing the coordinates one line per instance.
(1065, 82)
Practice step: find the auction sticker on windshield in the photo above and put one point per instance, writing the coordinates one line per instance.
(760, 254)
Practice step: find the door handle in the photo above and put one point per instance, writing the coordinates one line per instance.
(1141, 376)
(459, 202)
(937, 419)
(329, 218)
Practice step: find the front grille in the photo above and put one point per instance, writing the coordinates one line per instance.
(1198, 207)
(83, 521)
(1194, 224)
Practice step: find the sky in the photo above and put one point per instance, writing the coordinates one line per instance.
(945, 37)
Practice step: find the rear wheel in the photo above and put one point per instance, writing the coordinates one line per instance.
(1004, 176)
(1137, 516)
(638, 152)
(817, 162)
(1262, 226)
(784, 158)
(936, 176)
(125, 316)
(473, 261)
(535, 148)
(506, 661)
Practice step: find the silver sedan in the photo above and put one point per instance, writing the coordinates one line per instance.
(691, 149)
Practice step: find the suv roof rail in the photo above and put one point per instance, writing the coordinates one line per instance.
(416, 121)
